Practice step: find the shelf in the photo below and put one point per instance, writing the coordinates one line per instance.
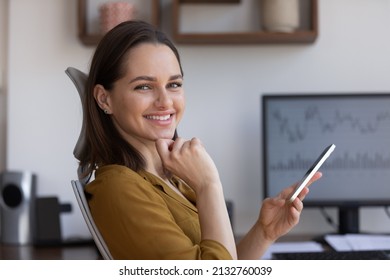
(92, 38)
(307, 34)
(247, 37)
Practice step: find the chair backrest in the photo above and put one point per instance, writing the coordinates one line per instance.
(79, 79)
(78, 189)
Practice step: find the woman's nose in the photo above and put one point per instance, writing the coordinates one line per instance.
(163, 99)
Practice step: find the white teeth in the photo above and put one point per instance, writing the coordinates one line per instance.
(159, 118)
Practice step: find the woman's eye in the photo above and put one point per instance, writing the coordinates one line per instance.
(143, 87)
(175, 85)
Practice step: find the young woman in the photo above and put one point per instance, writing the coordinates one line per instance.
(156, 195)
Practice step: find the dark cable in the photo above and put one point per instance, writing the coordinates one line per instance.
(387, 210)
(329, 219)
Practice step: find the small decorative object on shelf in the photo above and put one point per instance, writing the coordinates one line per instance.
(280, 15)
(90, 28)
(114, 13)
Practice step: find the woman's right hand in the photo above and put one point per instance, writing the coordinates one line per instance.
(189, 160)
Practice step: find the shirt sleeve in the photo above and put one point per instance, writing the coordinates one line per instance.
(136, 223)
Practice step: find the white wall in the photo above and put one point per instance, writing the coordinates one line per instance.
(44, 114)
(223, 86)
(3, 85)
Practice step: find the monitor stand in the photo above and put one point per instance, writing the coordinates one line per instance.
(348, 220)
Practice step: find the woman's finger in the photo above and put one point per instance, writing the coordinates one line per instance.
(163, 147)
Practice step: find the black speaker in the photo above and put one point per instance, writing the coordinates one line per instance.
(17, 207)
(47, 222)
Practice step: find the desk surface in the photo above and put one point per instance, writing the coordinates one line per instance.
(68, 252)
(86, 251)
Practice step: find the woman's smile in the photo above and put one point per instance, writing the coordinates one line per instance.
(159, 117)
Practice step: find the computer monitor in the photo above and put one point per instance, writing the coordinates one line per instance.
(296, 129)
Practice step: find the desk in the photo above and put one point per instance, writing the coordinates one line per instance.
(67, 252)
(292, 238)
(86, 251)
(306, 237)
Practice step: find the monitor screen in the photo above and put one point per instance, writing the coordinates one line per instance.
(296, 129)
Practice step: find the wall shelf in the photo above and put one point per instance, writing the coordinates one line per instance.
(307, 34)
(92, 38)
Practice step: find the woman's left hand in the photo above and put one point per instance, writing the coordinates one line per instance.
(278, 216)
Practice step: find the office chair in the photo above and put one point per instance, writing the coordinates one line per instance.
(79, 79)
(78, 189)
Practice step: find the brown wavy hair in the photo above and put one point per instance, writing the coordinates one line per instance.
(104, 145)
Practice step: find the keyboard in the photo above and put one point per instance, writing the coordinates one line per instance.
(334, 255)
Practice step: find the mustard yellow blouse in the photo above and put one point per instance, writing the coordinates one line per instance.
(140, 217)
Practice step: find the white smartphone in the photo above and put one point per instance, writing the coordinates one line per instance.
(312, 170)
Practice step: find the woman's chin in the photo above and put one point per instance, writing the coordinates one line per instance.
(165, 136)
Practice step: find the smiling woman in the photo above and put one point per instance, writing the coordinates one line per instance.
(156, 195)
(145, 108)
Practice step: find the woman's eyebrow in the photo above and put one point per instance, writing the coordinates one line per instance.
(153, 79)
(143, 78)
(176, 77)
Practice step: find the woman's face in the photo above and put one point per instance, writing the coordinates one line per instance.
(148, 102)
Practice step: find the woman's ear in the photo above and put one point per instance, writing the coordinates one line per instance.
(101, 96)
